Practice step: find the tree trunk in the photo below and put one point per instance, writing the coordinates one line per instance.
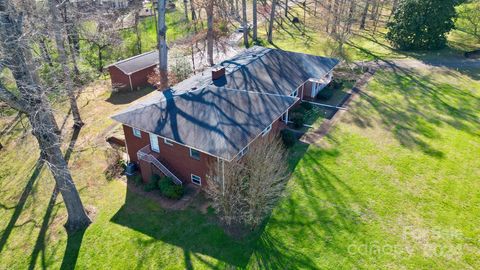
(244, 23)
(272, 20)
(254, 17)
(209, 11)
(45, 54)
(100, 59)
(192, 8)
(62, 56)
(185, 6)
(137, 33)
(336, 16)
(329, 12)
(162, 45)
(76, 71)
(286, 8)
(31, 100)
(364, 15)
(351, 14)
(394, 8)
(50, 146)
(374, 10)
(377, 17)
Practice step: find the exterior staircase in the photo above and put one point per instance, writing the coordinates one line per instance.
(145, 155)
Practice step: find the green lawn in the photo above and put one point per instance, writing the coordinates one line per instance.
(361, 45)
(178, 28)
(394, 185)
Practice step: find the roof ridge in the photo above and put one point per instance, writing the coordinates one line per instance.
(255, 92)
(132, 58)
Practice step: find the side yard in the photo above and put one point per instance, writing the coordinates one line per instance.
(394, 185)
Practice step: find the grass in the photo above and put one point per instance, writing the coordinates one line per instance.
(315, 116)
(362, 45)
(394, 185)
(178, 29)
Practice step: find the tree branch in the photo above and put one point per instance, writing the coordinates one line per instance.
(11, 99)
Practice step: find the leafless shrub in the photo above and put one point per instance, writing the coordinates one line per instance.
(115, 164)
(245, 190)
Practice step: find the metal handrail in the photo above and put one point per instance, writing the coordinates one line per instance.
(142, 154)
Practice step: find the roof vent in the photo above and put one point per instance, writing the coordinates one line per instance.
(194, 88)
(218, 73)
(254, 55)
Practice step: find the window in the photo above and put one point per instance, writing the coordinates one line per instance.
(194, 154)
(294, 93)
(168, 142)
(196, 180)
(266, 130)
(154, 143)
(137, 133)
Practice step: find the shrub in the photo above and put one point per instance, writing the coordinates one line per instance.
(297, 119)
(115, 166)
(288, 138)
(306, 105)
(298, 109)
(336, 84)
(169, 189)
(326, 93)
(137, 179)
(152, 184)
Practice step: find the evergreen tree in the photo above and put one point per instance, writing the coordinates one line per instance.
(422, 24)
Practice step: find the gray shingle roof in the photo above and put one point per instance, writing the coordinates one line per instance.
(137, 62)
(224, 116)
(214, 120)
(274, 71)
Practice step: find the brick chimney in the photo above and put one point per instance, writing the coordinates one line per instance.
(218, 73)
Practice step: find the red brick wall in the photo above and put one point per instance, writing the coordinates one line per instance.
(140, 78)
(308, 89)
(176, 158)
(121, 81)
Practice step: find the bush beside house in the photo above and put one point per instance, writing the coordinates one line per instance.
(165, 185)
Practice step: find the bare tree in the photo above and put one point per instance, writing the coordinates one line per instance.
(244, 23)
(185, 8)
(210, 32)
(32, 101)
(162, 44)
(67, 78)
(364, 14)
(244, 191)
(469, 19)
(254, 18)
(271, 22)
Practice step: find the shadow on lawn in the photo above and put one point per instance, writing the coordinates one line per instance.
(125, 97)
(422, 106)
(74, 239)
(189, 229)
(321, 218)
(195, 232)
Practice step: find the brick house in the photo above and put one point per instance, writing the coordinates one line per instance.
(213, 117)
(131, 73)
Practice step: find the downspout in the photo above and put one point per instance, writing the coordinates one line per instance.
(223, 177)
(130, 79)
